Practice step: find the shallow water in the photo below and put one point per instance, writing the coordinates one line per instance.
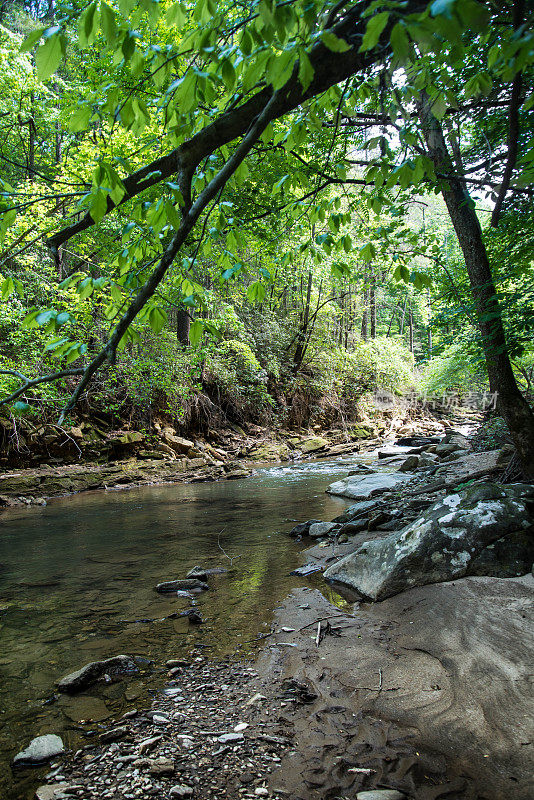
(77, 584)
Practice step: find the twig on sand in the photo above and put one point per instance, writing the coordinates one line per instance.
(231, 560)
(323, 619)
(371, 688)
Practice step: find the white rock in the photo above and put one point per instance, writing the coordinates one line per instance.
(261, 791)
(380, 794)
(228, 738)
(241, 726)
(49, 792)
(358, 488)
(39, 750)
(181, 791)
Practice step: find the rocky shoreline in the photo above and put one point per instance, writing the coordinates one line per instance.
(172, 460)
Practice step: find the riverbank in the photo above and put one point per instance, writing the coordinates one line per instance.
(124, 460)
(414, 695)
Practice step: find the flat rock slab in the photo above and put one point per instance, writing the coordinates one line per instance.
(40, 750)
(49, 791)
(454, 663)
(370, 485)
(90, 673)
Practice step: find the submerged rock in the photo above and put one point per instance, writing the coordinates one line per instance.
(182, 584)
(199, 573)
(51, 791)
(90, 673)
(358, 488)
(41, 749)
(484, 530)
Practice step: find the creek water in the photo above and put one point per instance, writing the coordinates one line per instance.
(77, 582)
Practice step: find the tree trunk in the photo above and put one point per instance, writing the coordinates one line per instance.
(372, 303)
(510, 402)
(429, 325)
(300, 350)
(410, 327)
(183, 323)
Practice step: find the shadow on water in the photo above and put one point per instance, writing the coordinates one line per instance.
(77, 584)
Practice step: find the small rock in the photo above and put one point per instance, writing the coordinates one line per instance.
(380, 794)
(162, 766)
(181, 791)
(303, 527)
(241, 726)
(199, 573)
(193, 616)
(319, 529)
(261, 791)
(148, 744)
(229, 738)
(114, 734)
(411, 463)
(90, 673)
(41, 749)
(160, 719)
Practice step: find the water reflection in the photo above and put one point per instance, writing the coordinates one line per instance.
(77, 583)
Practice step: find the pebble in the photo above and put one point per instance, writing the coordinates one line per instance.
(181, 791)
(228, 738)
(380, 794)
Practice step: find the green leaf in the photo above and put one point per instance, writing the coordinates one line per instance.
(99, 205)
(400, 42)
(48, 56)
(442, 8)
(374, 29)
(157, 319)
(88, 24)
(195, 332)
(31, 39)
(334, 43)
(108, 22)
(20, 407)
(79, 119)
(7, 287)
(256, 292)
(62, 318)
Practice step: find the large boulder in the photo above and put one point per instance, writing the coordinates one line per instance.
(487, 529)
(92, 672)
(358, 488)
(41, 749)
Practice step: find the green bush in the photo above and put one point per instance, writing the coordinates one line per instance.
(235, 373)
(455, 370)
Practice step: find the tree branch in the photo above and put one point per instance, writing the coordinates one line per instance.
(28, 383)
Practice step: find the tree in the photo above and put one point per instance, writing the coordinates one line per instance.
(330, 70)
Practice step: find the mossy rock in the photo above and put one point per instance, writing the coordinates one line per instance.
(312, 444)
(273, 451)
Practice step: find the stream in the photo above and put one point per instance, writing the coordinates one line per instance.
(77, 582)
